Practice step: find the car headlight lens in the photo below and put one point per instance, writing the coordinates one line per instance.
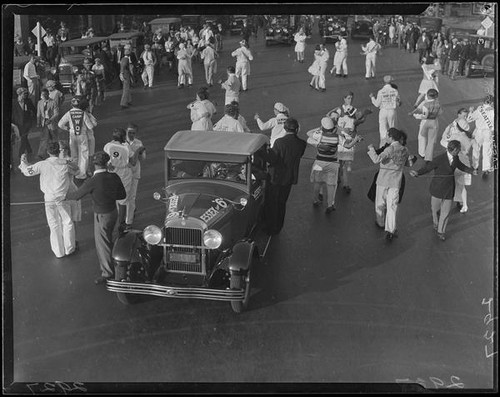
(53, 70)
(270, 30)
(342, 29)
(157, 196)
(278, 30)
(212, 239)
(152, 234)
(75, 69)
(330, 28)
(285, 30)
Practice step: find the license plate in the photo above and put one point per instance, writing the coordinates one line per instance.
(183, 257)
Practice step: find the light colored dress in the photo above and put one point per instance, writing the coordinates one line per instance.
(429, 80)
(300, 39)
(314, 68)
(204, 123)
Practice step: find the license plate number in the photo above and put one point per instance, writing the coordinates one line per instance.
(183, 257)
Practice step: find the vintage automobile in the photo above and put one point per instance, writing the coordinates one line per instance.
(203, 247)
(236, 23)
(481, 60)
(193, 21)
(279, 30)
(134, 39)
(431, 25)
(362, 27)
(165, 24)
(332, 28)
(75, 52)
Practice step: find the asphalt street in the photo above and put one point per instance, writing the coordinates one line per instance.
(334, 301)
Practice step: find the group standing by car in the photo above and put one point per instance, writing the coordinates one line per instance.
(334, 141)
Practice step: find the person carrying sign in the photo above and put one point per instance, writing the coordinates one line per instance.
(78, 122)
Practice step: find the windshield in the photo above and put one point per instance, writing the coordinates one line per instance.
(196, 169)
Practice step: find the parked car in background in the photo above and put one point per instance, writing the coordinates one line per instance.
(134, 39)
(279, 30)
(481, 59)
(431, 25)
(165, 24)
(362, 27)
(332, 28)
(75, 52)
(203, 246)
(191, 20)
(236, 23)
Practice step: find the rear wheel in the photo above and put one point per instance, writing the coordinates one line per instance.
(241, 282)
(488, 63)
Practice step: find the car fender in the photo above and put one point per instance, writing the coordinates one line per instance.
(241, 257)
(126, 246)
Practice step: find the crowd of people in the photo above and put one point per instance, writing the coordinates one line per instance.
(111, 175)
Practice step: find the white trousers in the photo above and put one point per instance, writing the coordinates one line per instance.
(147, 75)
(370, 62)
(79, 146)
(210, 71)
(386, 207)
(126, 177)
(242, 72)
(427, 135)
(340, 62)
(484, 139)
(387, 118)
(131, 201)
(321, 75)
(62, 229)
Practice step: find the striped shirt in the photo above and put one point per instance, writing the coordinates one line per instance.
(327, 147)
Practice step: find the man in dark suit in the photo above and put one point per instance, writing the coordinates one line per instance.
(105, 188)
(126, 78)
(284, 160)
(442, 186)
(23, 116)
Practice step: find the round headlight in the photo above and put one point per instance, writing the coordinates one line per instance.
(212, 239)
(152, 234)
(342, 29)
(243, 201)
(285, 30)
(330, 28)
(156, 196)
(53, 70)
(75, 69)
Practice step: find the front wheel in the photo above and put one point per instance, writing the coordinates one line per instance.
(241, 282)
(467, 69)
(121, 275)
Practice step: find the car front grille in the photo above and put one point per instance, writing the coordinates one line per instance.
(184, 243)
(181, 236)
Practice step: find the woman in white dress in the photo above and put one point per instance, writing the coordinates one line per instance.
(201, 114)
(314, 68)
(183, 67)
(429, 80)
(300, 38)
(459, 130)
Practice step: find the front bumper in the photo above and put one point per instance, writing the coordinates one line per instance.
(175, 292)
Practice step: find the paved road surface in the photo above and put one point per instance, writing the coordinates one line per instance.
(335, 302)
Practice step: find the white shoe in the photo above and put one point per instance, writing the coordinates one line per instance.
(464, 209)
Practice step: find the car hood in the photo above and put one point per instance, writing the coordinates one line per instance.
(207, 204)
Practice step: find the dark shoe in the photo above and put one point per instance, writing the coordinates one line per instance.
(316, 203)
(127, 228)
(459, 206)
(338, 75)
(322, 89)
(347, 189)
(310, 85)
(389, 236)
(441, 236)
(330, 209)
(344, 76)
(123, 107)
(367, 78)
(129, 103)
(485, 174)
(145, 87)
(101, 280)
